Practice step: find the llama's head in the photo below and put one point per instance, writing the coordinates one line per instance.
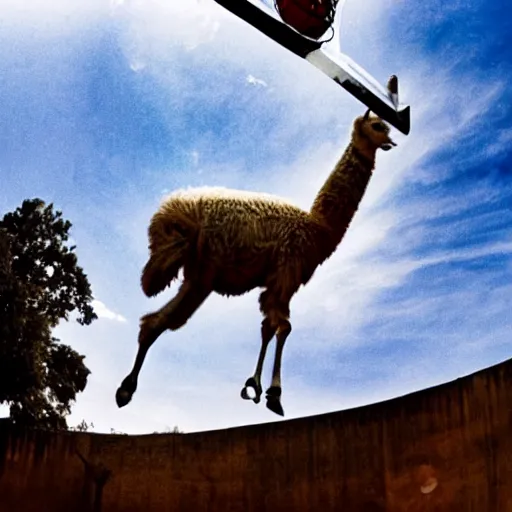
(371, 132)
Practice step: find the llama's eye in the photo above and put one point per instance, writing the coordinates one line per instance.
(378, 127)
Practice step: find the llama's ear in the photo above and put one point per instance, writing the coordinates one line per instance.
(366, 115)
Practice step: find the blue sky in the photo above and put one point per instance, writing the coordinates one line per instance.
(107, 106)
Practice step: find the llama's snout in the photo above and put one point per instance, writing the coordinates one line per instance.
(386, 146)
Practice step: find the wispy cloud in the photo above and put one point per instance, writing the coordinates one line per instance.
(256, 81)
(103, 312)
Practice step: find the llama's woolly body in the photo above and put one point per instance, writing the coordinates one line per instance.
(239, 217)
(248, 237)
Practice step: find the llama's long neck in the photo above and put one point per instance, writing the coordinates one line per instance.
(339, 198)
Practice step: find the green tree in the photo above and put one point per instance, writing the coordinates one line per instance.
(40, 284)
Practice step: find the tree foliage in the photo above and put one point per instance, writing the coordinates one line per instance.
(40, 284)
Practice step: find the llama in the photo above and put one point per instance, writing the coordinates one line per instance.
(231, 242)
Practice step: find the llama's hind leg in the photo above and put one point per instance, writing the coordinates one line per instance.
(254, 382)
(171, 316)
(274, 391)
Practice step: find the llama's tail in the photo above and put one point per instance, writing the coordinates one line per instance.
(169, 246)
(163, 266)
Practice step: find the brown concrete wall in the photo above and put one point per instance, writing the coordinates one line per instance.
(447, 448)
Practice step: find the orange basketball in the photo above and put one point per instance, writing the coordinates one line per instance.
(311, 18)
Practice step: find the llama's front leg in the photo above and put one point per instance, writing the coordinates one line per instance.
(274, 391)
(254, 382)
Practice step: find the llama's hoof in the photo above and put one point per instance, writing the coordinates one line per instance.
(274, 400)
(274, 404)
(251, 383)
(126, 390)
(123, 397)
